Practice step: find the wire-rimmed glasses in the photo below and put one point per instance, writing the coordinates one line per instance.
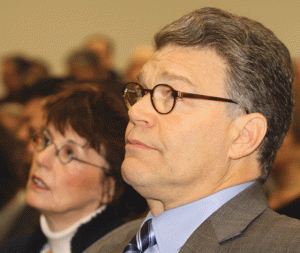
(163, 96)
(66, 153)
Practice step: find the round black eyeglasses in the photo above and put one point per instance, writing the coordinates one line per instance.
(65, 153)
(163, 96)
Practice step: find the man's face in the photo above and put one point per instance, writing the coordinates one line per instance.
(182, 156)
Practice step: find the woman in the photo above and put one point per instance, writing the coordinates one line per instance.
(75, 172)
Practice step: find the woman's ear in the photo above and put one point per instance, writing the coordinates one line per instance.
(108, 190)
(250, 131)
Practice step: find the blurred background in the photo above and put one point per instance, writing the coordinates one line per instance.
(51, 30)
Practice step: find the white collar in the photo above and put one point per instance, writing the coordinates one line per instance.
(61, 241)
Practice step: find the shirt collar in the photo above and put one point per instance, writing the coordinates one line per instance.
(72, 229)
(188, 218)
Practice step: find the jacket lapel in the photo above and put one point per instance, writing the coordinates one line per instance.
(229, 221)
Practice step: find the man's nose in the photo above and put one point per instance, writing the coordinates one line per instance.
(142, 112)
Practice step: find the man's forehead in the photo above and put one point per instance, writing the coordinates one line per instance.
(191, 66)
(161, 63)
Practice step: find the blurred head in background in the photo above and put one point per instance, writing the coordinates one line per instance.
(85, 65)
(14, 70)
(136, 62)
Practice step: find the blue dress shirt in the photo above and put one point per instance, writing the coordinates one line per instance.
(173, 227)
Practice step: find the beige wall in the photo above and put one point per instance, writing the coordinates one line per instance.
(49, 29)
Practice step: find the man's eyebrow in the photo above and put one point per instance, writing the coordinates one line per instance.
(168, 76)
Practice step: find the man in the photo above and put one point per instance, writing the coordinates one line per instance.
(14, 71)
(103, 46)
(212, 108)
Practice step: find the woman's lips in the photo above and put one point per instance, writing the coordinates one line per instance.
(39, 183)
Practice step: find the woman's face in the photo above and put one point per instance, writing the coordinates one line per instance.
(74, 187)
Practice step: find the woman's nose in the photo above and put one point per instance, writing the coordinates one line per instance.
(45, 157)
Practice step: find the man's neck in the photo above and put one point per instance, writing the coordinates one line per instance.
(158, 206)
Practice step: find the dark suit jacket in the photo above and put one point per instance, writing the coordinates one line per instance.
(244, 224)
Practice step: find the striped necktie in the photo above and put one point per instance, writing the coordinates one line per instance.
(144, 239)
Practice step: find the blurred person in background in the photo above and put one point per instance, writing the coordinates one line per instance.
(75, 173)
(9, 180)
(39, 70)
(11, 116)
(19, 75)
(33, 121)
(104, 46)
(14, 70)
(85, 65)
(136, 62)
(284, 183)
(13, 209)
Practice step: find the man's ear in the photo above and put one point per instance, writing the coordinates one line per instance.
(249, 131)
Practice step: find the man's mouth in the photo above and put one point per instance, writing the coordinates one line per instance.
(138, 144)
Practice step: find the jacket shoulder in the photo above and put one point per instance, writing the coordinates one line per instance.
(246, 224)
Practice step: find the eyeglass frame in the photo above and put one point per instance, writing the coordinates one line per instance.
(177, 95)
(57, 150)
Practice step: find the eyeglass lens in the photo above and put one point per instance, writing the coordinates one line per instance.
(162, 96)
(132, 94)
(66, 153)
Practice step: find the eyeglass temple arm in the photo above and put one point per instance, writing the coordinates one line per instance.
(107, 171)
(180, 94)
(189, 95)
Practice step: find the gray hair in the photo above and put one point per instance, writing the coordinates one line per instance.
(260, 71)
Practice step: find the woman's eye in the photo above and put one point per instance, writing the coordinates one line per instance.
(69, 151)
(47, 141)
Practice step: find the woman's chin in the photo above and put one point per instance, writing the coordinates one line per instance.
(36, 202)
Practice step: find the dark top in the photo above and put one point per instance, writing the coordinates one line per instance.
(24, 223)
(86, 235)
(292, 209)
